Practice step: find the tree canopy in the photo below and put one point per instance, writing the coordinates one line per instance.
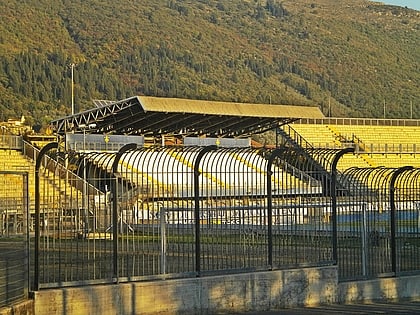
(348, 57)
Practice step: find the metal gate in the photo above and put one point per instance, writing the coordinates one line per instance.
(15, 228)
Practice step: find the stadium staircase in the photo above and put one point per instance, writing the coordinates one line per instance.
(53, 187)
(306, 158)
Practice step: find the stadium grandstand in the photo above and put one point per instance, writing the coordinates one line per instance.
(377, 142)
(156, 173)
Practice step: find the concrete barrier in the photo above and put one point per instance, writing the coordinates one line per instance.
(383, 289)
(19, 308)
(258, 291)
(205, 295)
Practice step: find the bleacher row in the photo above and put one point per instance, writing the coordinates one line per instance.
(52, 187)
(388, 146)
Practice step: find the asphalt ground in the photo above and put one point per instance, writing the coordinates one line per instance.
(403, 308)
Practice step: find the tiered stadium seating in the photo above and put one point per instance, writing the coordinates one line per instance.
(319, 136)
(376, 145)
(52, 187)
(383, 138)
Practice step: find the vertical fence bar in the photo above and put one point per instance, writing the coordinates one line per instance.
(197, 205)
(274, 154)
(394, 216)
(334, 198)
(44, 150)
(26, 218)
(163, 243)
(129, 146)
(364, 241)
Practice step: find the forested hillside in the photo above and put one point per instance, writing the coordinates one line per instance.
(349, 57)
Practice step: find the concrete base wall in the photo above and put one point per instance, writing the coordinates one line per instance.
(384, 289)
(229, 293)
(19, 308)
(206, 295)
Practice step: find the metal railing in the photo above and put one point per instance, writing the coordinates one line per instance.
(360, 121)
(14, 236)
(10, 142)
(165, 212)
(168, 212)
(379, 223)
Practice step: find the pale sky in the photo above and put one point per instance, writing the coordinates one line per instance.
(413, 4)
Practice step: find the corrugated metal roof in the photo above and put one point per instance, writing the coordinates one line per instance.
(145, 115)
(177, 105)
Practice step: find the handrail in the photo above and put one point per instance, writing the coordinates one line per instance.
(76, 181)
(11, 142)
(360, 121)
(305, 145)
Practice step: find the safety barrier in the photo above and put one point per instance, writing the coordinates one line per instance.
(166, 212)
(14, 236)
(179, 211)
(379, 223)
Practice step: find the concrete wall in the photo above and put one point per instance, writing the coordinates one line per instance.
(228, 293)
(384, 289)
(19, 308)
(205, 295)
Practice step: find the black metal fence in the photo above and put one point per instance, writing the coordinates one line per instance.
(14, 230)
(170, 212)
(165, 212)
(379, 223)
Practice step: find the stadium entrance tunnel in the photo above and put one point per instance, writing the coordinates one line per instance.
(147, 213)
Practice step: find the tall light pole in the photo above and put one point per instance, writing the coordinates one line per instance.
(411, 113)
(72, 88)
(384, 109)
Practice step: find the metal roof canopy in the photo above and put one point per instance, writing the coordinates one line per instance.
(154, 116)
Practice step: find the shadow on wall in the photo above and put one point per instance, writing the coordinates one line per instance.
(383, 289)
(229, 293)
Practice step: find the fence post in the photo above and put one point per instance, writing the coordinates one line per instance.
(274, 154)
(163, 241)
(334, 199)
(197, 173)
(123, 149)
(364, 241)
(44, 150)
(27, 216)
(393, 215)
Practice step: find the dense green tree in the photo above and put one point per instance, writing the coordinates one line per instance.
(345, 57)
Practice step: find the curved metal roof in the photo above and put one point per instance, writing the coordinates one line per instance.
(152, 116)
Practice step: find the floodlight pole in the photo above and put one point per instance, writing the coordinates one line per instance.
(72, 89)
(411, 109)
(384, 109)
